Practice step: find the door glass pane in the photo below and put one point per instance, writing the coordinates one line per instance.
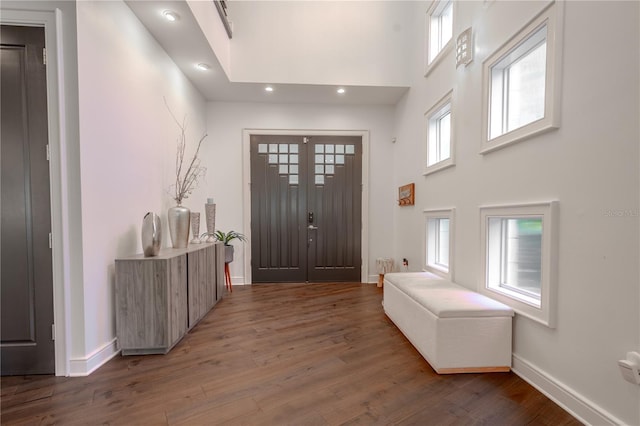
(284, 147)
(293, 159)
(293, 179)
(319, 159)
(293, 148)
(328, 159)
(339, 159)
(273, 159)
(262, 148)
(328, 149)
(319, 179)
(319, 148)
(339, 149)
(284, 169)
(284, 158)
(320, 169)
(273, 147)
(329, 169)
(293, 169)
(351, 149)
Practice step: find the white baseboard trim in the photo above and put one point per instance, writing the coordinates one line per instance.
(238, 281)
(80, 367)
(373, 279)
(577, 405)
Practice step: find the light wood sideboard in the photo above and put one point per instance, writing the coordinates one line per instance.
(160, 298)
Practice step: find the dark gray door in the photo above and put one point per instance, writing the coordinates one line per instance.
(306, 208)
(26, 283)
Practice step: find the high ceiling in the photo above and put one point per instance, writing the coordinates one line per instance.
(184, 41)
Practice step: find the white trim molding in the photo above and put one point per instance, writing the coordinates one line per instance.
(543, 308)
(450, 214)
(436, 112)
(246, 183)
(80, 367)
(52, 23)
(570, 400)
(552, 16)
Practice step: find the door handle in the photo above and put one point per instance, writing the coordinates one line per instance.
(312, 227)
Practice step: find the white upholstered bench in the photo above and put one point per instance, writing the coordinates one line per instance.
(455, 329)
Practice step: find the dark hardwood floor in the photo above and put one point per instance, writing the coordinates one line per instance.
(281, 354)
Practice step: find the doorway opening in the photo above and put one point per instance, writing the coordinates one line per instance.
(306, 209)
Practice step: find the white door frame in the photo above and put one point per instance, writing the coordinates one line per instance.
(246, 185)
(52, 23)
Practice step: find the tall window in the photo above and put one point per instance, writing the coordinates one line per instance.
(439, 136)
(521, 86)
(515, 256)
(438, 241)
(439, 30)
(519, 245)
(517, 85)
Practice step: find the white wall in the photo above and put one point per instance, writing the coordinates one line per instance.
(320, 42)
(225, 122)
(590, 165)
(127, 154)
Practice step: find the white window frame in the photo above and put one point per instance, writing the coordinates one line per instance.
(551, 16)
(435, 9)
(545, 313)
(428, 254)
(442, 107)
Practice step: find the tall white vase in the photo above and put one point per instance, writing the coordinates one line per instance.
(179, 219)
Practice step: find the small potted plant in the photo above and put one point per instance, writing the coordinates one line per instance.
(226, 238)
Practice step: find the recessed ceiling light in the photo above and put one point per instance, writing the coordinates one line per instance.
(269, 89)
(170, 15)
(203, 67)
(341, 90)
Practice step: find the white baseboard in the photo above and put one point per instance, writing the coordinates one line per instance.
(373, 279)
(577, 405)
(80, 367)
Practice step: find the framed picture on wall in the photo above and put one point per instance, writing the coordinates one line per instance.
(406, 195)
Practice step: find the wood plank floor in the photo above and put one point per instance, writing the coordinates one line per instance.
(280, 354)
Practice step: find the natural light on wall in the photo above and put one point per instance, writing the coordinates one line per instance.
(521, 83)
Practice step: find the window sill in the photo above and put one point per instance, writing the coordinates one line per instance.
(439, 57)
(444, 164)
(518, 135)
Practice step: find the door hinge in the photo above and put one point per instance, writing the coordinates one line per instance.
(48, 153)
(53, 332)
(50, 240)
(44, 56)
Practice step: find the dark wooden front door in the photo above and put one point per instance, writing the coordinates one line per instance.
(26, 345)
(306, 208)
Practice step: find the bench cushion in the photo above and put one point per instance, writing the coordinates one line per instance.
(446, 299)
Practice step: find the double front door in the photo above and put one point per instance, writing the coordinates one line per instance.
(306, 208)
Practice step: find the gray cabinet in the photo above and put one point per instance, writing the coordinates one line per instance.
(160, 298)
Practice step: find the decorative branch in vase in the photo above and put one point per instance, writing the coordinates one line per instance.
(186, 182)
